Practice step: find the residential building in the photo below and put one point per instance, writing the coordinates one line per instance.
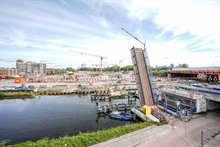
(20, 66)
(30, 68)
(8, 71)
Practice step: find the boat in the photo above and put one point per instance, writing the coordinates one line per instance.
(121, 115)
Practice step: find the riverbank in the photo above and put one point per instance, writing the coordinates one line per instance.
(16, 95)
(87, 139)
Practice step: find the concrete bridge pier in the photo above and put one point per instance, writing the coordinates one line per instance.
(212, 78)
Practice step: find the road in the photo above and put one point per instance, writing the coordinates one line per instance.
(176, 133)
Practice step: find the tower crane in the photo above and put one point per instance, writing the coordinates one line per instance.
(93, 55)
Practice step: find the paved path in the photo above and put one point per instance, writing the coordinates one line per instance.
(176, 133)
(214, 142)
(136, 137)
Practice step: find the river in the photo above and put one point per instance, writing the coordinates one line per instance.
(51, 116)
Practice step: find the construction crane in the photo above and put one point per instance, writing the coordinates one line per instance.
(146, 86)
(147, 63)
(134, 37)
(93, 55)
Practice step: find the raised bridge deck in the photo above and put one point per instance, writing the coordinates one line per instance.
(208, 73)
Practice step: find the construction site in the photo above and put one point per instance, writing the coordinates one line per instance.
(184, 92)
(183, 95)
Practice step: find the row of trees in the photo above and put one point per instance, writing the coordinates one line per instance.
(129, 68)
(159, 68)
(117, 68)
(112, 68)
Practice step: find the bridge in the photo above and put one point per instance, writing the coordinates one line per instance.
(210, 74)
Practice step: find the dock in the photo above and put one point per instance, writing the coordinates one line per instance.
(113, 107)
(144, 117)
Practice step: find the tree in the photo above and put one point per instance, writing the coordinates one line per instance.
(87, 69)
(184, 65)
(164, 68)
(114, 68)
(127, 68)
(69, 69)
(159, 74)
(172, 65)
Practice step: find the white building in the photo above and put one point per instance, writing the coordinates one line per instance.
(31, 68)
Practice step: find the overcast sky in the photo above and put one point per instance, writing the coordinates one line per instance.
(45, 30)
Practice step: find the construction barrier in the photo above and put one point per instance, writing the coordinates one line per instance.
(19, 80)
(81, 79)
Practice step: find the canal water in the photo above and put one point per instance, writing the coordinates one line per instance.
(52, 116)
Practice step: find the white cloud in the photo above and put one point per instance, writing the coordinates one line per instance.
(93, 33)
(198, 18)
(166, 53)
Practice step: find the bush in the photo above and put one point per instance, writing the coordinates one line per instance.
(87, 139)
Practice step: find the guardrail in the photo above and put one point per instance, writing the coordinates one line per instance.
(201, 69)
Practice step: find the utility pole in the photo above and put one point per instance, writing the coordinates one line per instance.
(120, 64)
(201, 138)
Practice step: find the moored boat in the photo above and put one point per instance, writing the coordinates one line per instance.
(121, 115)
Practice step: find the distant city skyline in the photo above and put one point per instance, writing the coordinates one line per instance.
(44, 31)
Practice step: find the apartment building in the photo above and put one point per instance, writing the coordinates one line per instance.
(8, 71)
(30, 68)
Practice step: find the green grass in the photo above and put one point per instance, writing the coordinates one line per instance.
(16, 95)
(86, 139)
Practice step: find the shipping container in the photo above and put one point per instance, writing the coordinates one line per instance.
(3, 77)
(19, 80)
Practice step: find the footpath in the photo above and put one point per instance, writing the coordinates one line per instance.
(175, 133)
(136, 137)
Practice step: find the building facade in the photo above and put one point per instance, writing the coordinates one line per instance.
(8, 71)
(20, 66)
(55, 71)
(30, 68)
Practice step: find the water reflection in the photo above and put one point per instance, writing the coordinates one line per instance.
(52, 116)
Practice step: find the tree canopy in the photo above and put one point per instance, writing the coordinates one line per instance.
(69, 69)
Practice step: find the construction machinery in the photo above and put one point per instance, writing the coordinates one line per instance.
(93, 55)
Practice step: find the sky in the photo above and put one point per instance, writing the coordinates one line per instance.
(46, 30)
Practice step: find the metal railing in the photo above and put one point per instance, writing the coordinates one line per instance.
(150, 74)
(201, 69)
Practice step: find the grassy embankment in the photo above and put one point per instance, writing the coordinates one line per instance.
(86, 139)
(16, 95)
